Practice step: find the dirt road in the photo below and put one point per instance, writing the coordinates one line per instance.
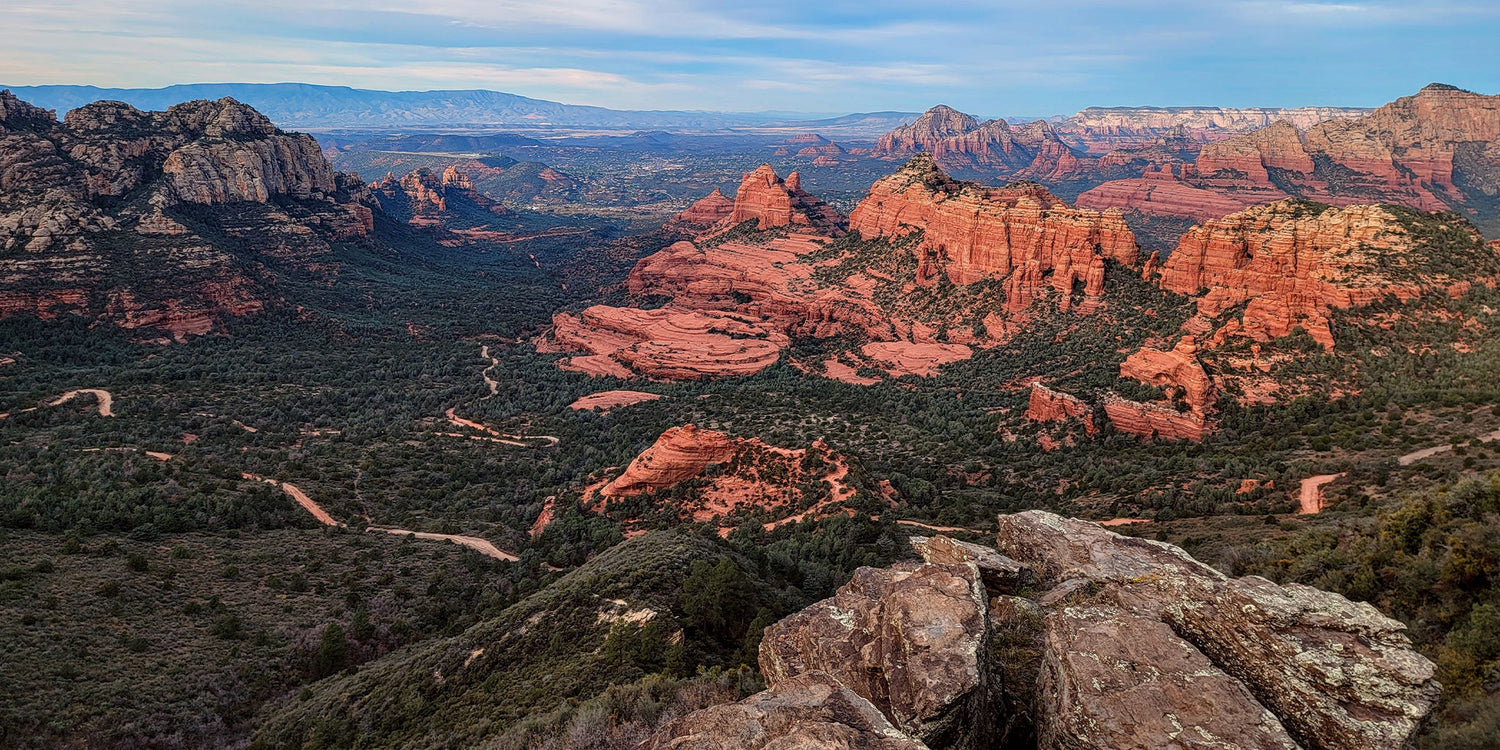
(509, 439)
(106, 401)
(1312, 492)
(489, 382)
(481, 546)
(1415, 456)
(296, 493)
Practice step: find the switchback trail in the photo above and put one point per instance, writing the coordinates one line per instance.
(494, 387)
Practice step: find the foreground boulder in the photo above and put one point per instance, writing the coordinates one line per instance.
(910, 639)
(811, 711)
(1337, 674)
(1114, 680)
(1072, 637)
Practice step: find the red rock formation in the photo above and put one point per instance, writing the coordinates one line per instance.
(935, 125)
(679, 454)
(979, 232)
(1154, 420)
(1278, 146)
(1177, 369)
(668, 343)
(957, 141)
(1415, 151)
(765, 197)
(604, 401)
(1166, 194)
(708, 211)
(1047, 405)
(754, 478)
(1292, 263)
(424, 199)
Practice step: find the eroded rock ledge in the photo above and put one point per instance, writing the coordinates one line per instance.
(1131, 643)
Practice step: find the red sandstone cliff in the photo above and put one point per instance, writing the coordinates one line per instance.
(1047, 405)
(767, 198)
(1435, 150)
(1178, 370)
(1292, 262)
(976, 232)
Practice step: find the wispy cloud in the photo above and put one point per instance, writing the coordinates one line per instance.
(992, 58)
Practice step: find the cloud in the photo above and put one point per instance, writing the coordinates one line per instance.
(996, 58)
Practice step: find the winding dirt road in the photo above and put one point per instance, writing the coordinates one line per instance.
(489, 382)
(482, 546)
(494, 386)
(105, 399)
(1311, 496)
(1415, 456)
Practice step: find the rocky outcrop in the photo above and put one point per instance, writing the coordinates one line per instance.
(1291, 263)
(1000, 574)
(773, 202)
(1436, 150)
(1047, 405)
(959, 142)
(934, 126)
(1314, 667)
(680, 453)
(909, 639)
(446, 201)
(1154, 420)
(1178, 370)
(666, 343)
(736, 305)
(708, 211)
(973, 232)
(110, 207)
(751, 480)
(812, 711)
(1112, 643)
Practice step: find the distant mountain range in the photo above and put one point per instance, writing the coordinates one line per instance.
(307, 106)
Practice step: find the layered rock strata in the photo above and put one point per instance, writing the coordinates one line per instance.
(974, 233)
(1291, 263)
(1436, 150)
(1047, 405)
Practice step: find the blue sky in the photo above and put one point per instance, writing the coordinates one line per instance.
(990, 58)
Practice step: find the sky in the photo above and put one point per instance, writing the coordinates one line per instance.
(988, 58)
